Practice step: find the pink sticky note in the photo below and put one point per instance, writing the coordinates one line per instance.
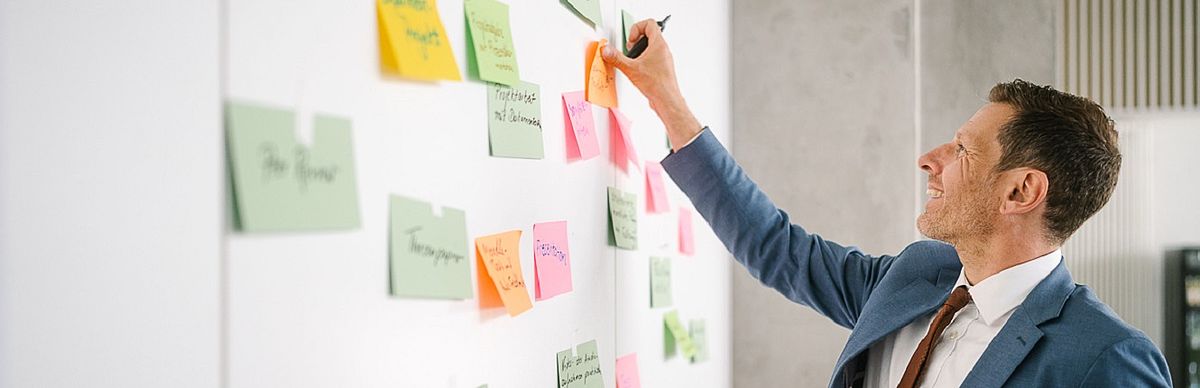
(627, 372)
(656, 193)
(580, 127)
(551, 260)
(687, 245)
(622, 148)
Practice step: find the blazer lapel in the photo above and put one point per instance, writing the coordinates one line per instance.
(884, 315)
(1014, 342)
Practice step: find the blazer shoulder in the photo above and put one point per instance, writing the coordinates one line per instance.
(1094, 326)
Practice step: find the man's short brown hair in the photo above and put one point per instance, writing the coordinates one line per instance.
(1069, 138)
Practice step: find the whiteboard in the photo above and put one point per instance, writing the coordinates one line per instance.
(312, 309)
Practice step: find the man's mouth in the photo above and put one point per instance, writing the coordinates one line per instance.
(933, 193)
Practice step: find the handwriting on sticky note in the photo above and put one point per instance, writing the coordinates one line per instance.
(660, 282)
(656, 192)
(580, 369)
(581, 138)
(687, 244)
(621, 147)
(601, 82)
(495, 59)
(551, 260)
(413, 41)
(428, 254)
(280, 184)
(515, 120)
(500, 254)
(627, 372)
(622, 208)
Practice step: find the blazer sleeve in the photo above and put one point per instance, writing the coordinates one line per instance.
(1132, 362)
(832, 279)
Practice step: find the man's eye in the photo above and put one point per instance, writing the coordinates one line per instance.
(961, 150)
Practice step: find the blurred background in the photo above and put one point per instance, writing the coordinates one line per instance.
(830, 104)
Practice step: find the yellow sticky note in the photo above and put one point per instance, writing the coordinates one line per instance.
(601, 83)
(501, 257)
(412, 41)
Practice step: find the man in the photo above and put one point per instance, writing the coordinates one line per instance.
(991, 306)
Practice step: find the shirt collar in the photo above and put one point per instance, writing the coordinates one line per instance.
(1004, 291)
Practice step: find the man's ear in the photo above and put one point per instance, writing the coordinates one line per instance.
(1025, 190)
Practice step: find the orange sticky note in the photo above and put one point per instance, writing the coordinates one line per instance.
(500, 256)
(412, 41)
(600, 83)
(621, 148)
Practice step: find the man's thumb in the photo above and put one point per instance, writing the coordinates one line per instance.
(614, 58)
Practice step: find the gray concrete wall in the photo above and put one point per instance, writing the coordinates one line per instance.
(824, 111)
(823, 117)
(967, 46)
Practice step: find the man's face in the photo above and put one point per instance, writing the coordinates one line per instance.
(963, 202)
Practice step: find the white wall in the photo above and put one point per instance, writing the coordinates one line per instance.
(110, 194)
(117, 266)
(312, 309)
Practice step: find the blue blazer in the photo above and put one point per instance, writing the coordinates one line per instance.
(1060, 336)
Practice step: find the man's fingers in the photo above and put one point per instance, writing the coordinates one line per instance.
(645, 27)
(612, 57)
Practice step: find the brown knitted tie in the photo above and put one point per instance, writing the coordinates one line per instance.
(916, 365)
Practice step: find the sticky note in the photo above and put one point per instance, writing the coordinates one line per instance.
(580, 369)
(428, 253)
(627, 372)
(627, 22)
(656, 192)
(581, 138)
(660, 282)
(621, 147)
(492, 56)
(622, 218)
(551, 260)
(412, 41)
(679, 335)
(280, 184)
(699, 338)
(515, 120)
(588, 9)
(687, 243)
(501, 259)
(600, 81)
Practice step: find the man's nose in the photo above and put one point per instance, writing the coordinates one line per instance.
(931, 162)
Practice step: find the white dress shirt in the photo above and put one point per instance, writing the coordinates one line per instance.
(969, 333)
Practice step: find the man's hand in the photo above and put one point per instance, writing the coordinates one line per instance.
(653, 73)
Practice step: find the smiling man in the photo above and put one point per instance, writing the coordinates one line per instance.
(991, 304)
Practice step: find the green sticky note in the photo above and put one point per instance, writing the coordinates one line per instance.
(280, 184)
(428, 254)
(660, 282)
(679, 334)
(622, 217)
(627, 22)
(580, 369)
(493, 57)
(515, 120)
(700, 339)
(588, 9)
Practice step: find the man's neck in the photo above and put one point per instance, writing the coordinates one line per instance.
(987, 257)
